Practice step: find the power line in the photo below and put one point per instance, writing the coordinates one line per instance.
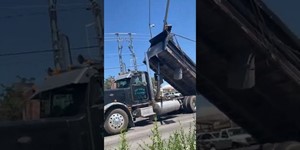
(126, 33)
(184, 37)
(111, 68)
(40, 13)
(40, 6)
(42, 51)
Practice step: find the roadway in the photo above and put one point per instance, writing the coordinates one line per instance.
(141, 132)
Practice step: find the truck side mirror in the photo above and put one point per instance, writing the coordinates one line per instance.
(81, 59)
(178, 74)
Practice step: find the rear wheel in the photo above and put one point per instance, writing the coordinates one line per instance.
(189, 104)
(115, 121)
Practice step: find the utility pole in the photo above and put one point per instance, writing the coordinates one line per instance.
(60, 41)
(98, 13)
(132, 51)
(120, 46)
(55, 34)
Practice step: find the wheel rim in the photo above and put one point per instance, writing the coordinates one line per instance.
(116, 121)
(194, 103)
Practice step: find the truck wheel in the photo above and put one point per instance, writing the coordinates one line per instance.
(115, 121)
(189, 104)
(212, 148)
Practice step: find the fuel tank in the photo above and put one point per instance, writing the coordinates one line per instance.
(167, 107)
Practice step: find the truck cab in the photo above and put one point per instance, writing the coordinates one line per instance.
(70, 110)
(130, 99)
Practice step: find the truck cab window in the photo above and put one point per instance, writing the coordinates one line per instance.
(137, 80)
(123, 83)
(62, 102)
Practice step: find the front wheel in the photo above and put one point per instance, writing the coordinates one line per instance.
(115, 121)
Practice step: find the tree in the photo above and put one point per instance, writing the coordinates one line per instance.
(11, 104)
(12, 100)
(108, 82)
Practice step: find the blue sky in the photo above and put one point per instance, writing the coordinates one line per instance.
(288, 11)
(25, 27)
(132, 16)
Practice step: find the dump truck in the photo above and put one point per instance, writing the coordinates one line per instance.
(134, 95)
(70, 114)
(248, 66)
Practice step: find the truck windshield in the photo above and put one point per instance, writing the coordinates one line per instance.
(62, 102)
(123, 83)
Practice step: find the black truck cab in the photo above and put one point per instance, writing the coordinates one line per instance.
(132, 89)
(128, 101)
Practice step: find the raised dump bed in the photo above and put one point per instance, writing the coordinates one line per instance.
(228, 32)
(163, 50)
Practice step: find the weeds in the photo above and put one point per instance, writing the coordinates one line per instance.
(179, 140)
(123, 144)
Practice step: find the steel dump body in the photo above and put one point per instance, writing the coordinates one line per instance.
(227, 31)
(163, 50)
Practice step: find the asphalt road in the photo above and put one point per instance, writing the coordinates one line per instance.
(141, 132)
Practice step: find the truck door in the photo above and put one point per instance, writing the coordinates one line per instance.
(95, 112)
(139, 87)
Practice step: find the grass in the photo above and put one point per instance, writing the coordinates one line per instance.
(178, 140)
(123, 144)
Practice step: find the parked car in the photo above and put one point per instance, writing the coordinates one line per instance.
(177, 94)
(238, 136)
(169, 95)
(172, 95)
(211, 141)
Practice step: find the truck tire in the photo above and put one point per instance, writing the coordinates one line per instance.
(212, 148)
(115, 121)
(189, 104)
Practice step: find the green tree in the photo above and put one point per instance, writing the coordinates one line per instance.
(108, 82)
(11, 105)
(12, 100)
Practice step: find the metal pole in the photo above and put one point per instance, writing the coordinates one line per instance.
(158, 84)
(120, 46)
(87, 36)
(158, 81)
(98, 13)
(149, 78)
(55, 34)
(166, 14)
(132, 52)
